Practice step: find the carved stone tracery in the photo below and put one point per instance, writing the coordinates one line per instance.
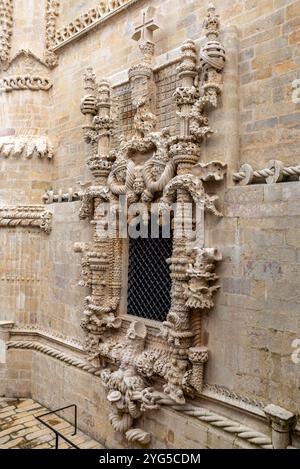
(146, 166)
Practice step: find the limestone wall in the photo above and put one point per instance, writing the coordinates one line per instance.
(256, 318)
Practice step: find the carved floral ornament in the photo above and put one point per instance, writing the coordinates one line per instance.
(151, 166)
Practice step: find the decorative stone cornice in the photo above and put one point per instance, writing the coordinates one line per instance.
(6, 27)
(31, 216)
(228, 397)
(26, 147)
(26, 82)
(43, 335)
(89, 20)
(275, 172)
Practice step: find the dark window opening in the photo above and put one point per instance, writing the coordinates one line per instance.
(149, 281)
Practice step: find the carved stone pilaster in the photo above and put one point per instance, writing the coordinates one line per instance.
(6, 28)
(52, 12)
(282, 422)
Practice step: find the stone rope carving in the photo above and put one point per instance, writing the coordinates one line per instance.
(52, 12)
(18, 83)
(89, 19)
(204, 415)
(274, 172)
(52, 352)
(6, 27)
(31, 216)
(146, 166)
(25, 147)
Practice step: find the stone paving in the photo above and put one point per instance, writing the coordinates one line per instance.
(19, 429)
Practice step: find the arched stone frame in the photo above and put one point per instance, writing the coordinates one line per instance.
(131, 364)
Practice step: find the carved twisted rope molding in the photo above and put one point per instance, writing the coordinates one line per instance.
(274, 172)
(27, 147)
(89, 20)
(52, 352)
(33, 216)
(6, 25)
(18, 83)
(229, 426)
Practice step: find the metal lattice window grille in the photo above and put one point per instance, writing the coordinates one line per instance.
(149, 281)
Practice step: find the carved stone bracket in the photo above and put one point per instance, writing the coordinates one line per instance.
(148, 165)
(26, 147)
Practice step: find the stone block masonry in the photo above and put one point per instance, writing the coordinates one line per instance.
(251, 330)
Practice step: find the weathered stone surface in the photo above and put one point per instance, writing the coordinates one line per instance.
(259, 237)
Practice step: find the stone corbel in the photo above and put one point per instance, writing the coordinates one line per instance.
(282, 422)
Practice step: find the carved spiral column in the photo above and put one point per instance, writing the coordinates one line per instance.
(185, 153)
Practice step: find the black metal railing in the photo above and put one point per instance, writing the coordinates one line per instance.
(58, 434)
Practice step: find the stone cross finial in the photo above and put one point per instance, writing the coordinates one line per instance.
(144, 32)
(212, 22)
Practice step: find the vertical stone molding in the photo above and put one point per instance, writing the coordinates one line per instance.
(6, 29)
(52, 12)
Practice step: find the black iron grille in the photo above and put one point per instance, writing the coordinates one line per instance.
(149, 281)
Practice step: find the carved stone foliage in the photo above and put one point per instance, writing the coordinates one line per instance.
(150, 165)
(6, 26)
(26, 82)
(25, 147)
(30, 216)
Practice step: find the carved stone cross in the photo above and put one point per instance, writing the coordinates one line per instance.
(145, 30)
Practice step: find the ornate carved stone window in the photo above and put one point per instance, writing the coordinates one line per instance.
(150, 165)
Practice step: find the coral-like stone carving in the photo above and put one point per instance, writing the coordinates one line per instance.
(31, 216)
(26, 147)
(149, 165)
(199, 291)
(31, 83)
(127, 390)
(6, 27)
(52, 12)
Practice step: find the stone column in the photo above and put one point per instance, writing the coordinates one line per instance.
(283, 422)
(5, 328)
